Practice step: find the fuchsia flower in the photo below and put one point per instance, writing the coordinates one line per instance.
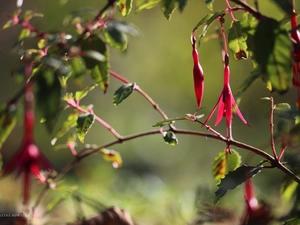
(226, 101)
(198, 74)
(296, 55)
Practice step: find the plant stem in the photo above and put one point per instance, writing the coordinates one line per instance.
(272, 129)
(249, 8)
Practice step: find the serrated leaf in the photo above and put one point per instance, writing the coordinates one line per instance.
(56, 63)
(112, 156)
(225, 163)
(81, 94)
(235, 178)
(84, 124)
(124, 6)
(207, 21)
(209, 4)
(68, 124)
(169, 7)
(273, 53)
(170, 138)
(122, 93)
(48, 96)
(8, 119)
(146, 4)
(285, 5)
(256, 73)
(98, 70)
(237, 40)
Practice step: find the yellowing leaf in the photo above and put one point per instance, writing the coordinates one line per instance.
(84, 123)
(112, 156)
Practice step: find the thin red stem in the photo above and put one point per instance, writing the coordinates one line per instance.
(282, 152)
(272, 129)
(230, 11)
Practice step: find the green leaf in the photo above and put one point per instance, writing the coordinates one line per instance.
(81, 94)
(225, 163)
(170, 138)
(112, 156)
(171, 120)
(8, 119)
(207, 21)
(48, 96)
(122, 93)
(78, 67)
(94, 55)
(235, 178)
(124, 27)
(256, 73)
(169, 7)
(84, 124)
(288, 189)
(98, 70)
(273, 53)
(146, 4)
(237, 40)
(282, 107)
(124, 6)
(285, 5)
(292, 221)
(68, 124)
(8, 24)
(209, 4)
(55, 63)
(182, 4)
(115, 38)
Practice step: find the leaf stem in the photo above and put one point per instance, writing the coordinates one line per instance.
(272, 129)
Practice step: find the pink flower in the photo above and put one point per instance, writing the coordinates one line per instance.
(226, 102)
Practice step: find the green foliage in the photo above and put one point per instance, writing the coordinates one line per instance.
(272, 53)
(285, 5)
(169, 7)
(237, 40)
(292, 221)
(8, 119)
(146, 4)
(124, 6)
(172, 120)
(81, 94)
(112, 156)
(170, 138)
(235, 178)
(122, 93)
(84, 123)
(48, 95)
(209, 4)
(225, 163)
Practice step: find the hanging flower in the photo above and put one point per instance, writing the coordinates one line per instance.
(198, 74)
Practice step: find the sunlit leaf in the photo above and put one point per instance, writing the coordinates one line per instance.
(8, 24)
(225, 163)
(8, 119)
(146, 4)
(48, 95)
(209, 4)
(285, 5)
(170, 138)
(81, 94)
(256, 73)
(235, 178)
(122, 93)
(273, 53)
(207, 21)
(98, 70)
(237, 41)
(112, 156)
(288, 189)
(68, 124)
(84, 123)
(282, 106)
(124, 6)
(169, 7)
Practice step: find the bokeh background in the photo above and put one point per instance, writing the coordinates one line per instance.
(158, 183)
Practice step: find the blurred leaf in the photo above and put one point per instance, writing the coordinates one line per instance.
(68, 124)
(146, 4)
(112, 156)
(168, 121)
(98, 70)
(42, 43)
(294, 136)
(235, 178)
(48, 96)
(124, 27)
(170, 138)
(285, 5)
(1, 162)
(8, 119)
(256, 73)
(288, 188)
(182, 4)
(273, 53)
(115, 38)
(169, 7)
(29, 14)
(282, 107)
(225, 163)
(94, 55)
(78, 68)
(57, 64)
(237, 41)
(122, 93)
(8, 24)
(292, 221)
(209, 4)
(81, 94)
(207, 21)
(25, 33)
(84, 123)
(124, 6)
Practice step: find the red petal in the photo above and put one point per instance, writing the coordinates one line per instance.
(198, 77)
(212, 112)
(221, 110)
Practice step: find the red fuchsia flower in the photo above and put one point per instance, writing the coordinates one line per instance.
(198, 74)
(226, 101)
(296, 55)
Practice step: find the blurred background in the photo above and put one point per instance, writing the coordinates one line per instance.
(157, 183)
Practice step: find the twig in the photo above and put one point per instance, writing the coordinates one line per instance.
(249, 8)
(272, 129)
